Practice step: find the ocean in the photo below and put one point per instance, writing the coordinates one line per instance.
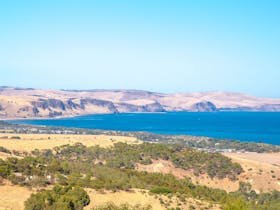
(244, 126)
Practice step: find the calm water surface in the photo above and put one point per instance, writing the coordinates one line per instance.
(244, 126)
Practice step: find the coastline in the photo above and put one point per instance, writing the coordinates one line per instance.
(77, 115)
(44, 118)
(221, 125)
(111, 113)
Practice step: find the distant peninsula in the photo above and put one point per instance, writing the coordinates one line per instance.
(38, 103)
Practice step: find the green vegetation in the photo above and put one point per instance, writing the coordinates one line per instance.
(75, 167)
(160, 190)
(3, 149)
(43, 166)
(15, 137)
(62, 198)
(125, 156)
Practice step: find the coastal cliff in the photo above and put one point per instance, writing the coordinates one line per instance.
(37, 103)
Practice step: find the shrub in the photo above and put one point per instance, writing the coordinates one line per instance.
(236, 204)
(3, 149)
(160, 190)
(63, 198)
(15, 137)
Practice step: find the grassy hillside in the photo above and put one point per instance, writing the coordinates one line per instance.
(93, 164)
(77, 167)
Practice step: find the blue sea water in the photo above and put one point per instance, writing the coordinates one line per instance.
(245, 126)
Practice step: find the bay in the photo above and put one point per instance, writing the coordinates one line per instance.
(245, 126)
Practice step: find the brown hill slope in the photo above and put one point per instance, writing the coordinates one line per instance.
(37, 103)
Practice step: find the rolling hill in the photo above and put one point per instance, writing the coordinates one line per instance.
(38, 103)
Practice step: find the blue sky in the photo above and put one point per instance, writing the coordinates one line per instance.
(157, 45)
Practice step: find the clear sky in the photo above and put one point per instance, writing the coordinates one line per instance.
(157, 45)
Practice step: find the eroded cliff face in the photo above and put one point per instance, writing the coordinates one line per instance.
(36, 103)
(204, 106)
(153, 107)
(269, 108)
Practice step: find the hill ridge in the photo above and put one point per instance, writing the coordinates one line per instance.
(49, 103)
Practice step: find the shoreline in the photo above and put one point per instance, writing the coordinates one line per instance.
(78, 115)
(88, 114)
(226, 134)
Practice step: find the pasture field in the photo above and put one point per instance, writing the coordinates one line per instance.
(30, 142)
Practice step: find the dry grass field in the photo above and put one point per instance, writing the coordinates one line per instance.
(261, 170)
(4, 155)
(166, 167)
(143, 198)
(267, 158)
(29, 142)
(122, 197)
(13, 197)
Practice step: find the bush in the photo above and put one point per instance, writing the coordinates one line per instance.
(3, 149)
(4, 169)
(160, 190)
(62, 198)
(15, 137)
(236, 204)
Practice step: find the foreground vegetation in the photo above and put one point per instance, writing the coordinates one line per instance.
(74, 167)
(58, 198)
